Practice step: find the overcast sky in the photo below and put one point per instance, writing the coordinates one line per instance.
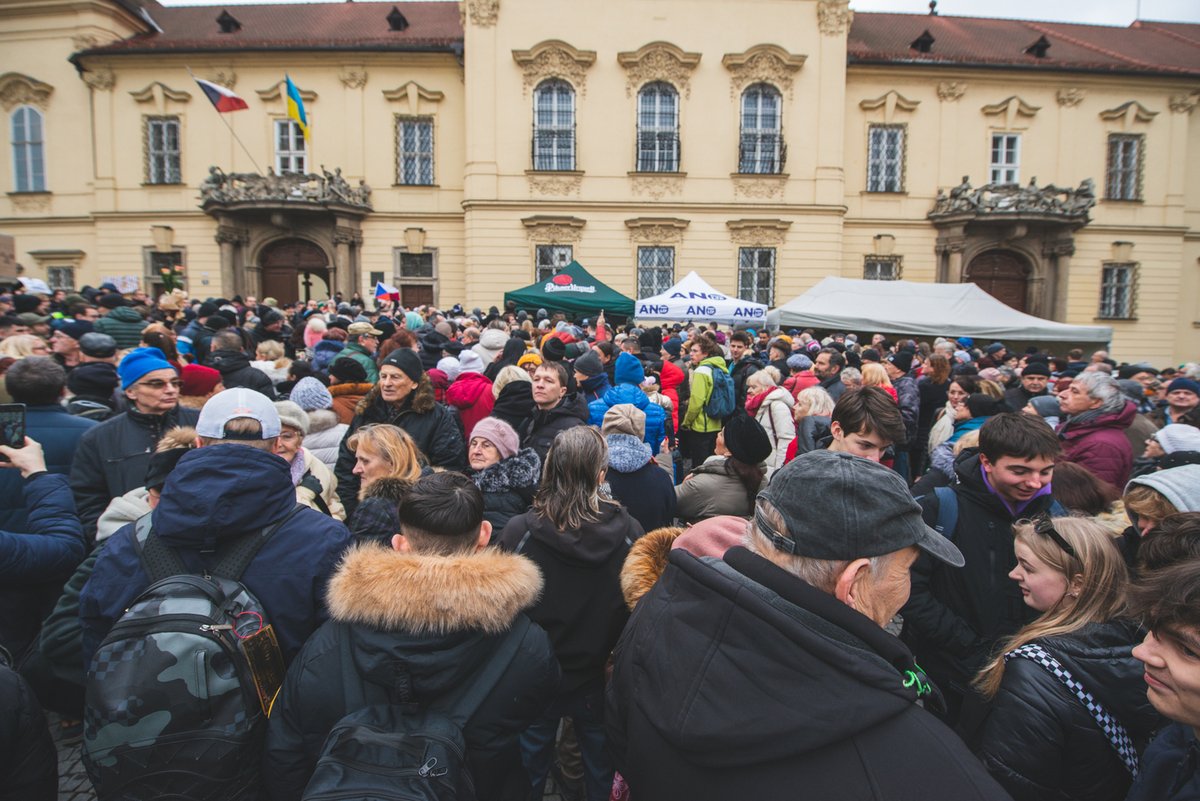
(1103, 12)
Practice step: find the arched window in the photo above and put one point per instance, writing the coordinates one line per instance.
(658, 128)
(554, 126)
(761, 147)
(29, 164)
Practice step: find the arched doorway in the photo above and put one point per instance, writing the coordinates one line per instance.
(294, 269)
(1003, 274)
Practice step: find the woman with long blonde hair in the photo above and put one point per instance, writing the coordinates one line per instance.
(875, 376)
(386, 463)
(1069, 710)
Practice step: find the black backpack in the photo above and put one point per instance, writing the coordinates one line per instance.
(172, 709)
(406, 751)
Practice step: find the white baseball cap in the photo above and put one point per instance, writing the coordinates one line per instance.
(232, 404)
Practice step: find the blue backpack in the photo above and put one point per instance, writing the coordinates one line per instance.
(720, 404)
(947, 516)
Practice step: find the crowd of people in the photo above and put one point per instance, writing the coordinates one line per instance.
(315, 550)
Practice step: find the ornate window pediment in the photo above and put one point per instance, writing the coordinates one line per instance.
(554, 59)
(17, 89)
(758, 233)
(764, 63)
(658, 61)
(414, 95)
(1128, 113)
(277, 92)
(656, 230)
(1011, 108)
(890, 102)
(548, 228)
(159, 93)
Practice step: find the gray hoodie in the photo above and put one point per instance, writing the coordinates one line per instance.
(1179, 485)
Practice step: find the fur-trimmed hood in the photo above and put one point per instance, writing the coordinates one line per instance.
(522, 470)
(646, 561)
(420, 401)
(321, 420)
(627, 453)
(387, 590)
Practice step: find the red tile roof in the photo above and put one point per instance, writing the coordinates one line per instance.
(308, 26)
(1145, 48)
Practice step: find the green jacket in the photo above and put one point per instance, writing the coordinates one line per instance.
(702, 385)
(124, 325)
(355, 351)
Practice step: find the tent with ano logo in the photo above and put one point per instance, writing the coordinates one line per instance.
(693, 299)
(572, 290)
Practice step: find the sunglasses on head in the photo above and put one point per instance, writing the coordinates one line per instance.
(1044, 526)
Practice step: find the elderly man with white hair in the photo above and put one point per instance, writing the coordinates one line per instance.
(1095, 414)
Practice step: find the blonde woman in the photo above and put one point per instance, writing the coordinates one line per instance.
(386, 463)
(875, 376)
(811, 413)
(22, 345)
(1059, 677)
(269, 358)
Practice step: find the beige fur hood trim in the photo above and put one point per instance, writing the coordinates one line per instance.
(385, 589)
(646, 561)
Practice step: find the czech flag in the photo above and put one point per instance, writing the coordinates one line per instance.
(383, 290)
(222, 99)
(295, 107)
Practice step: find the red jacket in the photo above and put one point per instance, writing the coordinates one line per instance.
(471, 394)
(672, 377)
(1101, 446)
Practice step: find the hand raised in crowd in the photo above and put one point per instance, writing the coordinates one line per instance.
(28, 460)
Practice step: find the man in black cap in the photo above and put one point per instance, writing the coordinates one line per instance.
(64, 342)
(1034, 379)
(995, 356)
(776, 654)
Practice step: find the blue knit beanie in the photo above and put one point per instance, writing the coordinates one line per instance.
(140, 361)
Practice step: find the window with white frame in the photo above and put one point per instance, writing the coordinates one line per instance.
(760, 145)
(1123, 178)
(414, 151)
(290, 152)
(655, 270)
(61, 278)
(29, 164)
(1006, 159)
(881, 268)
(756, 275)
(549, 259)
(554, 126)
(658, 128)
(162, 150)
(1118, 285)
(885, 158)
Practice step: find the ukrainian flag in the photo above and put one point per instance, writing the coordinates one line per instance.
(295, 107)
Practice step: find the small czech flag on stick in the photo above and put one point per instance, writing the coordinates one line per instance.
(387, 291)
(222, 99)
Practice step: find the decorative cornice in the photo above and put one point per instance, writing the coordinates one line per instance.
(1070, 96)
(102, 79)
(950, 91)
(549, 229)
(1132, 111)
(413, 92)
(554, 183)
(762, 63)
(225, 76)
(758, 233)
(1011, 106)
(658, 61)
(483, 13)
(30, 201)
(657, 185)
(759, 186)
(17, 89)
(834, 17)
(656, 230)
(1184, 103)
(157, 89)
(555, 59)
(353, 77)
(890, 102)
(276, 92)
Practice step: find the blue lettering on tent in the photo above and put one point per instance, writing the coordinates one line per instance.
(701, 311)
(699, 295)
(648, 309)
(748, 312)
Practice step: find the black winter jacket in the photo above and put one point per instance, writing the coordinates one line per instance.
(437, 433)
(234, 367)
(539, 430)
(514, 404)
(1170, 769)
(28, 762)
(508, 487)
(402, 630)
(113, 456)
(1042, 744)
(736, 680)
(582, 608)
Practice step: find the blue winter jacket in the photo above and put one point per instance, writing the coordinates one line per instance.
(58, 432)
(33, 566)
(215, 494)
(629, 375)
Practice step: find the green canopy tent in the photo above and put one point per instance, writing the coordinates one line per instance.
(572, 290)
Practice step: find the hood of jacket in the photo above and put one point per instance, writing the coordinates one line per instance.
(522, 470)
(220, 492)
(515, 401)
(779, 395)
(646, 561)
(1113, 420)
(592, 543)
(467, 389)
(125, 314)
(629, 370)
(627, 453)
(228, 361)
(715, 362)
(626, 393)
(596, 385)
(672, 376)
(1179, 485)
(321, 420)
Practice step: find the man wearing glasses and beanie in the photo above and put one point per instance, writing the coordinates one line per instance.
(768, 673)
(112, 457)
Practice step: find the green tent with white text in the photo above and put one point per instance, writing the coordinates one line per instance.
(574, 291)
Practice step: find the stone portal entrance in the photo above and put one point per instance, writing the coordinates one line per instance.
(294, 269)
(1003, 274)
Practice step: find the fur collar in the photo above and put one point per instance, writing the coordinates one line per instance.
(321, 420)
(420, 400)
(646, 561)
(337, 390)
(523, 469)
(392, 591)
(387, 488)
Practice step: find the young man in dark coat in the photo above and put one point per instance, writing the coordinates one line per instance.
(389, 603)
(228, 358)
(768, 673)
(557, 409)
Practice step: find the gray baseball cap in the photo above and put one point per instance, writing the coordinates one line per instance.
(232, 404)
(840, 507)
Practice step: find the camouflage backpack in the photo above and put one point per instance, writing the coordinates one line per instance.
(171, 705)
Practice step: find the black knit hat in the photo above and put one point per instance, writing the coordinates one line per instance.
(407, 361)
(555, 350)
(348, 371)
(746, 439)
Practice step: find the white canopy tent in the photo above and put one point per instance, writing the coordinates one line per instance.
(918, 309)
(694, 299)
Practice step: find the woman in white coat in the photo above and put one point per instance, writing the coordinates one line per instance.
(316, 485)
(771, 405)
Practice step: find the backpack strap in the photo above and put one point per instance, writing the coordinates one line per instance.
(462, 708)
(158, 560)
(242, 551)
(1117, 736)
(313, 484)
(947, 517)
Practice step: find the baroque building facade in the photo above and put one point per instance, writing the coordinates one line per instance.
(460, 150)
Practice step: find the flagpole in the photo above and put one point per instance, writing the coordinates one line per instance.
(232, 132)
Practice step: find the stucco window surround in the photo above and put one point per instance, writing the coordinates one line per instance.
(1006, 141)
(887, 142)
(416, 105)
(658, 75)
(552, 242)
(555, 73)
(1126, 127)
(751, 72)
(757, 256)
(651, 238)
(290, 151)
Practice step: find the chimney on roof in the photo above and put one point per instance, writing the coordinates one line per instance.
(933, 8)
(1038, 49)
(396, 20)
(228, 23)
(923, 43)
